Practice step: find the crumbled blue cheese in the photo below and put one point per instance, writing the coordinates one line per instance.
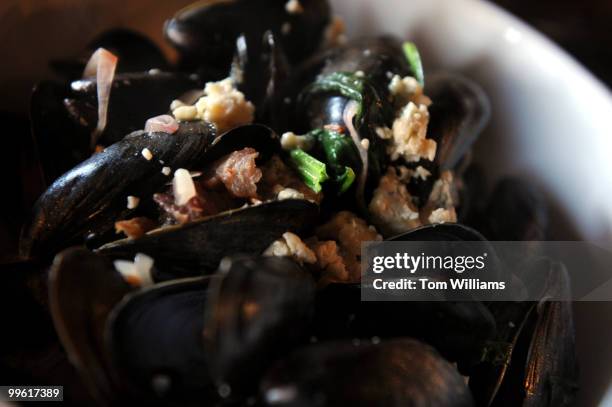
(147, 154)
(222, 105)
(440, 206)
(407, 89)
(442, 215)
(290, 245)
(409, 138)
(166, 171)
(176, 104)
(132, 202)
(185, 113)
(289, 193)
(294, 7)
(405, 173)
(183, 187)
(137, 272)
(291, 141)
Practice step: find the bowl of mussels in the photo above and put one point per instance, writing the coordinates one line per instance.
(196, 189)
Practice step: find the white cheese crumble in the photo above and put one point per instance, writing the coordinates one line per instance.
(183, 187)
(289, 193)
(409, 138)
(137, 272)
(405, 173)
(185, 113)
(407, 89)
(176, 104)
(290, 245)
(147, 154)
(384, 133)
(442, 215)
(132, 202)
(421, 172)
(291, 141)
(294, 7)
(365, 143)
(440, 206)
(222, 105)
(166, 171)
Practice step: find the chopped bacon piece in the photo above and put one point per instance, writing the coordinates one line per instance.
(238, 172)
(135, 227)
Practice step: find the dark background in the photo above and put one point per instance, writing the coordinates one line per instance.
(584, 28)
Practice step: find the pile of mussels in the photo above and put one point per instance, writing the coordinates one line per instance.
(199, 240)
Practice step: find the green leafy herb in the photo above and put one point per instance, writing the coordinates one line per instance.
(345, 180)
(311, 170)
(414, 60)
(341, 156)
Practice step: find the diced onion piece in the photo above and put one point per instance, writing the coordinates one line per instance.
(102, 65)
(164, 123)
(350, 111)
(128, 271)
(132, 202)
(144, 264)
(183, 187)
(138, 272)
(147, 154)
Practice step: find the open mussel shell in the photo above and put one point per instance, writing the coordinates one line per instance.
(376, 57)
(205, 32)
(93, 195)
(401, 372)
(135, 51)
(64, 115)
(258, 309)
(196, 248)
(458, 114)
(458, 330)
(532, 360)
(155, 339)
(134, 98)
(83, 288)
(440, 232)
(517, 210)
(260, 70)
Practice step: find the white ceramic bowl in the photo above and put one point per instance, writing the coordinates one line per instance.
(551, 121)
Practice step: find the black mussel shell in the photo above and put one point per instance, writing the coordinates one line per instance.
(205, 32)
(196, 248)
(532, 360)
(136, 53)
(155, 339)
(517, 210)
(440, 232)
(257, 136)
(92, 196)
(63, 116)
(83, 289)
(260, 70)
(134, 98)
(458, 114)
(401, 372)
(376, 57)
(258, 309)
(458, 330)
